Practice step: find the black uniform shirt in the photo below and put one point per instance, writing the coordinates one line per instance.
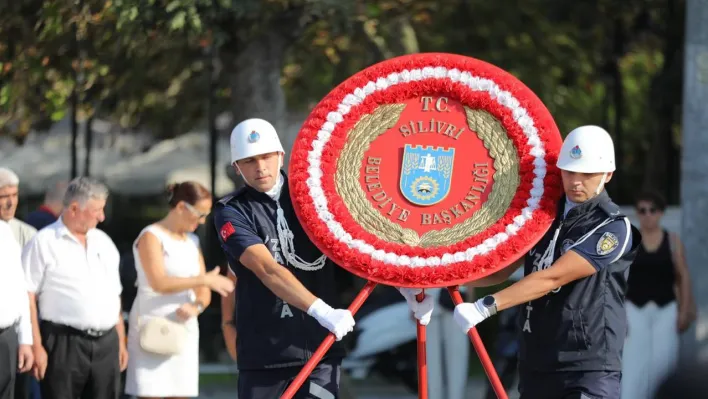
(271, 333)
(582, 325)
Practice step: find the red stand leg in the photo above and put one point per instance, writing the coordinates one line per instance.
(481, 352)
(325, 345)
(422, 357)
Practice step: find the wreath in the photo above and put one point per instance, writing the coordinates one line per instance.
(500, 117)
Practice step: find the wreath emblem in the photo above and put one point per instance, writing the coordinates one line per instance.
(426, 170)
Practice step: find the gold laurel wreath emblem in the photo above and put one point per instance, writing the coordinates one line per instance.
(505, 180)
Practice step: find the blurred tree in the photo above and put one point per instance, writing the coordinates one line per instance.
(144, 63)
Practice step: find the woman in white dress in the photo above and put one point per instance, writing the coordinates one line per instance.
(173, 284)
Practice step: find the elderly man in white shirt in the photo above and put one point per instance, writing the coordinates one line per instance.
(15, 325)
(71, 270)
(9, 196)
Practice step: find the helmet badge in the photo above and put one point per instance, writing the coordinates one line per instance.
(576, 153)
(253, 137)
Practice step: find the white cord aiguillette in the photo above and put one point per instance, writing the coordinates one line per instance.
(286, 243)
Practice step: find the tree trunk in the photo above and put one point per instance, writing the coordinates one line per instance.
(694, 177)
(88, 140)
(74, 135)
(660, 173)
(255, 82)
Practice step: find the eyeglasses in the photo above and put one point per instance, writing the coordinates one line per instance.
(195, 211)
(647, 211)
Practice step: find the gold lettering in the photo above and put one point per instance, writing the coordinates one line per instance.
(425, 218)
(412, 124)
(456, 211)
(393, 208)
(441, 126)
(457, 136)
(450, 131)
(472, 197)
(436, 219)
(479, 179)
(446, 217)
(481, 172)
(481, 165)
(466, 206)
(404, 131)
(369, 178)
(420, 127)
(380, 196)
(481, 190)
(438, 106)
(404, 215)
(374, 161)
(373, 186)
(382, 204)
(426, 102)
(372, 170)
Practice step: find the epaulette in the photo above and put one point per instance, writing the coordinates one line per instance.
(228, 197)
(611, 209)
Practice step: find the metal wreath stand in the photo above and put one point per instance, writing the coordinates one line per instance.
(424, 171)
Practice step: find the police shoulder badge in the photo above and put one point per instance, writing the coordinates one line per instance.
(607, 243)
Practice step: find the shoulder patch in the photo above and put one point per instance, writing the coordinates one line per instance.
(607, 243)
(226, 230)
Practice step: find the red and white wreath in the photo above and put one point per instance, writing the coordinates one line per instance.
(477, 85)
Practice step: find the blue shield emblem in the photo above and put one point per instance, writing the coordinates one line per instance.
(426, 174)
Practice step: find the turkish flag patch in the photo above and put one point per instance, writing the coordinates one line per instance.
(226, 230)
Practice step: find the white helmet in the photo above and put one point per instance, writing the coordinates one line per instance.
(254, 137)
(587, 149)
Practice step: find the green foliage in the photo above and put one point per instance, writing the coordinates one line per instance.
(144, 63)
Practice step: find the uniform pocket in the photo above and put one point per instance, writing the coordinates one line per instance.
(573, 334)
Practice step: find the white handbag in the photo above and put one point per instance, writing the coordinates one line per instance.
(162, 336)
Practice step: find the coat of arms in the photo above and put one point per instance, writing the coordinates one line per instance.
(426, 174)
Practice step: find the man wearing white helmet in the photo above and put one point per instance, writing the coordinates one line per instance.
(572, 319)
(284, 281)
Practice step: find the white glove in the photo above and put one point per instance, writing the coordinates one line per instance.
(338, 321)
(421, 310)
(468, 315)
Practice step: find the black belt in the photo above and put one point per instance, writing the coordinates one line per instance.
(3, 329)
(62, 328)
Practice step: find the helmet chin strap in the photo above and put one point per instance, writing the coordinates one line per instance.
(602, 184)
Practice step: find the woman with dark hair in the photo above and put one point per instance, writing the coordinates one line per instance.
(659, 303)
(172, 285)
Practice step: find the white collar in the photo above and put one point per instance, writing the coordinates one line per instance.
(274, 193)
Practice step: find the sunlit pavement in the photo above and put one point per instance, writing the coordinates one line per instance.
(378, 390)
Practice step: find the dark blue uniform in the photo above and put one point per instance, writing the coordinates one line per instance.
(572, 338)
(275, 339)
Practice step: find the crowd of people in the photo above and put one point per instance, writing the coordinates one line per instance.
(600, 304)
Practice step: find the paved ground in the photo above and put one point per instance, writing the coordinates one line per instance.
(370, 390)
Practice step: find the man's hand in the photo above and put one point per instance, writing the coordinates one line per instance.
(187, 311)
(123, 356)
(40, 361)
(468, 315)
(338, 321)
(421, 310)
(25, 358)
(229, 332)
